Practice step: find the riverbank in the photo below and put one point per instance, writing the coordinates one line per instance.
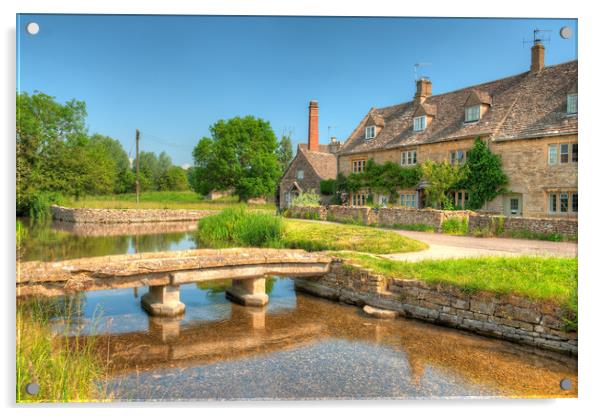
(510, 309)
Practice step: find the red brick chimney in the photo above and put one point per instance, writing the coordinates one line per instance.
(537, 57)
(312, 134)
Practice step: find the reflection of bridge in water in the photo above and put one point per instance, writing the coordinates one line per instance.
(164, 272)
(252, 332)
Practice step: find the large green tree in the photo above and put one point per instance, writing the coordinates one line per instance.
(239, 155)
(440, 178)
(484, 178)
(125, 180)
(284, 152)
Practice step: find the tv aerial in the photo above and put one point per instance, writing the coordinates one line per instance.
(417, 67)
(539, 37)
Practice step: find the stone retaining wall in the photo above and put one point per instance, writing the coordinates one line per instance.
(497, 224)
(113, 216)
(510, 317)
(387, 217)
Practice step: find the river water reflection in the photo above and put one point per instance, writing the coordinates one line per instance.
(298, 347)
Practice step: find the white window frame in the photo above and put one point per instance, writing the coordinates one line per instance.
(571, 103)
(300, 174)
(555, 202)
(420, 123)
(552, 155)
(408, 199)
(370, 132)
(358, 165)
(471, 112)
(563, 147)
(454, 157)
(408, 158)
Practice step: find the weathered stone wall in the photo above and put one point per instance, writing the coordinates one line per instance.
(113, 216)
(308, 213)
(496, 224)
(407, 216)
(509, 317)
(343, 213)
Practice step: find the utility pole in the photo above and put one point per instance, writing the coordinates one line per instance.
(137, 166)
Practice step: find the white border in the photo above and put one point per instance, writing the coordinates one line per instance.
(589, 177)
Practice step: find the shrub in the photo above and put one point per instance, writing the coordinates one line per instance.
(328, 187)
(455, 225)
(307, 199)
(39, 205)
(237, 227)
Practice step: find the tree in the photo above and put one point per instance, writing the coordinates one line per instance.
(240, 155)
(485, 178)
(440, 178)
(285, 151)
(125, 180)
(174, 179)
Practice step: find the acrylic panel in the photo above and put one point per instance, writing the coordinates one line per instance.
(295, 208)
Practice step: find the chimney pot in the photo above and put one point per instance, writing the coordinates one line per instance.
(424, 89)
(537, 57)
(313, 139)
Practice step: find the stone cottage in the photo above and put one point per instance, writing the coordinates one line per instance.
(529, 119)
(313, 163)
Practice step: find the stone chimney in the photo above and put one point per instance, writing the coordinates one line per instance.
(334, 145)
(537, 57)
(424, 89)
(312, 134)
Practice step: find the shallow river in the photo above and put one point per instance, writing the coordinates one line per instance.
(298, 347)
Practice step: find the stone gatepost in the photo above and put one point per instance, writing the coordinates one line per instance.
(163, 301)
(248, 292)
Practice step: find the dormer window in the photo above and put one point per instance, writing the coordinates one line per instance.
(472, 113)
(370, 132)
(571, 103)
(419, 123)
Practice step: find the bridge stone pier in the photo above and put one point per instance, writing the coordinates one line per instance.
(164, 272)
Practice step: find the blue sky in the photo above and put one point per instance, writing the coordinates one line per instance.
(173, 76)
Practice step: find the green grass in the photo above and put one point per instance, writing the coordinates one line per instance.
(530, 235)
(240, 228)
(161, 200)
(321, 236)
(65, 368)
(414, 227)
(455, 226)
(537, 278)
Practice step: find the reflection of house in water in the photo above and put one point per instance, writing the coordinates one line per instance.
(495, 365)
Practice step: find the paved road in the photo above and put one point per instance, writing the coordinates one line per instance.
(442, 246)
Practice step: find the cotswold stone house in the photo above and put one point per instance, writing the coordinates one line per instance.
(529, 119)
(313, 163)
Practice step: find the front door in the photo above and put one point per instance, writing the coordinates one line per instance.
(513, 205)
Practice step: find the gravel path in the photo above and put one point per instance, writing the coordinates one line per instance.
(443, 246)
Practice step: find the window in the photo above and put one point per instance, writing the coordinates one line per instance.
(408, 158)
(571, 103)
(574, 150)
(408, 200)
(552, 206)
(300, 174)
(568, 153)
(358, 166)
(358, 199)
(457, 156)
(419, 123)
(383, 199)
(370, 132)
(552, 154)
(564, 153)
(472, 113)
(563, 202)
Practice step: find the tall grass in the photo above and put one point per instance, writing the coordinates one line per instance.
(455, 226)
(38, 205)
(237, 227)
(65, 367)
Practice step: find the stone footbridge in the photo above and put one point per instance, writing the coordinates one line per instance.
(164, 272)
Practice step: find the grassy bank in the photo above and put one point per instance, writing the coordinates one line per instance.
(239, 228)
(64, 368)
(537, 278)
(160, 200)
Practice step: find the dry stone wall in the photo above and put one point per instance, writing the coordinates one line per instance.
(511, 318)
(498, 224)
(113, 216)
